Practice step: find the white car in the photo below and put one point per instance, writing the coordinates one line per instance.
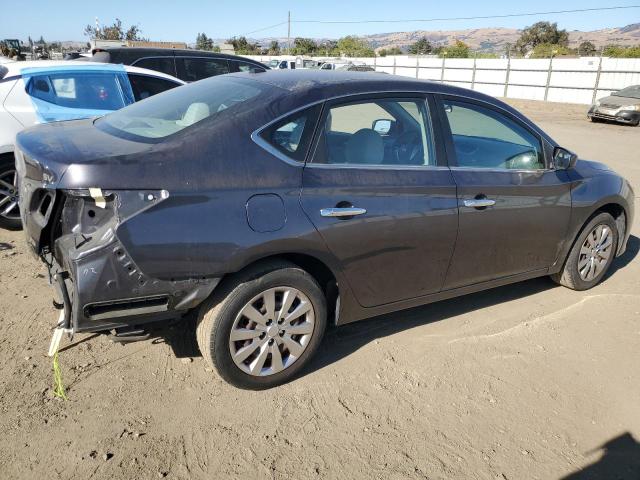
(48, 91)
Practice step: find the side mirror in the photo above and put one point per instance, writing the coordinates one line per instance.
(383, 126)
(563, 159)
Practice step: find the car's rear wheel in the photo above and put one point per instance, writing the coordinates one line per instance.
(591, 254)
(263, 325)
(9, 211)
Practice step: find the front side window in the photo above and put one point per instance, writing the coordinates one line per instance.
(179, 108)
(194, 69)
(484, 138)
(79, 90)
(393, 132)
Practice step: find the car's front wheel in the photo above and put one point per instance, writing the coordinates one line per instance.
(9, 211)
(263, 325)
(591, 254)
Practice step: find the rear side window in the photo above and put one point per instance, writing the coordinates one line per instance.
(382, 131)
(3, 71)
(88, 91)
(145, 86)
(159, 64)
(292, 135)
(194, 69)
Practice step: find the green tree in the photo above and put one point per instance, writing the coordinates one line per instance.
(389, 51)
(203, 42)
(541, 32)
(328, 47)
(548, 50)
(274, 48)
(243, 47)
(457, 50)
(421, 47)
(352, 46)
(587, 49)
(621, 52)
(304, 46)
(114, 32)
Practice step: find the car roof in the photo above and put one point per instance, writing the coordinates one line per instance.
(342, 82)
(167, 52)
(15, 69)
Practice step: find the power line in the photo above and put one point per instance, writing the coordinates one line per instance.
(481, 17)
(443, 19)
(261, 29)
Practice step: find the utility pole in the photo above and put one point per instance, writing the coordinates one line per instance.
(289, 34)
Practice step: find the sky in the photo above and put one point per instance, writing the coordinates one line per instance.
(181, 20)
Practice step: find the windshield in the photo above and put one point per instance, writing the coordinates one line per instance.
(169, 112)
(629, 92)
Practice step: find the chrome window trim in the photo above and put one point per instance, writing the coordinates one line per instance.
(506, 170)
(363, 166)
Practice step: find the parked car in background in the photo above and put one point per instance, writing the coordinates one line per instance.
(272, 203)
(187, 65)
(48, 91)
(340, 65)
(356, 68)
(622, 106)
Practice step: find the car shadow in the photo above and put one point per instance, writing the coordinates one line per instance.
(343, 341)
(633, 247)
(620, 460)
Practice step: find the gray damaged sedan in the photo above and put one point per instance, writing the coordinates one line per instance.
(622, 106)
(270, 204)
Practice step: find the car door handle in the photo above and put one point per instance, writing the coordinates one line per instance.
(479, 202)
(342, 212)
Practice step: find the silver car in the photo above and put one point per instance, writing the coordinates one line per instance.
(622, 106)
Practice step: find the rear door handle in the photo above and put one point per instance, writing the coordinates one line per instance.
(479, 202)
(342, 212)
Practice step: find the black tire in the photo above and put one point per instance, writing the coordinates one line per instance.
(570, 276)
(216, 318)
(7, 165)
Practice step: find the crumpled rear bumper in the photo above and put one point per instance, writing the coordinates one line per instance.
(97, 281)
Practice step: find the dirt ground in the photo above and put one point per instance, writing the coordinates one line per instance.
(529, 381)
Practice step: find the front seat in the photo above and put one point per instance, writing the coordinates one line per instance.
(364, 147)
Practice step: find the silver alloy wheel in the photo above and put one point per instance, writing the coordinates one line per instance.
(9, 195)
(595, 252)
(272, 331)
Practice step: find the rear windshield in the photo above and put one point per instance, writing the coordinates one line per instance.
(169, 112)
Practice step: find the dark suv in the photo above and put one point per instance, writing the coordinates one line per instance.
(187, 65)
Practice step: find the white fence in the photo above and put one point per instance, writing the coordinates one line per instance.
(569, 80)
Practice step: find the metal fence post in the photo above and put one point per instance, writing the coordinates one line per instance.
(442, 71)
(417, 64)
(375, 62)
(597, 84)
(546, 87)
(506, 80)
(473, 73)
(394, 64)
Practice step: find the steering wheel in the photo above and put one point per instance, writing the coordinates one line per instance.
(407, 149)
